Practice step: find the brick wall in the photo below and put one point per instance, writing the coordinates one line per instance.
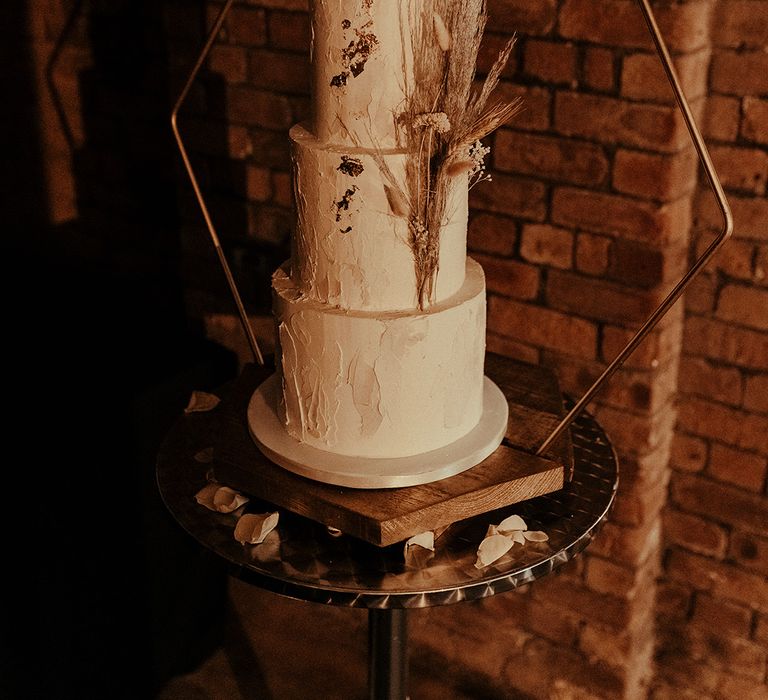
(593, 211)
(585, 225)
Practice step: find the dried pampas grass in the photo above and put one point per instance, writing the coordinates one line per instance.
(444, 118)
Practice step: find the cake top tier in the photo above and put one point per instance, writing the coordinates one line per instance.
(362, 66)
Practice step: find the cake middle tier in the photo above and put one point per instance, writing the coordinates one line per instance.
(381, 384)
(349, 248)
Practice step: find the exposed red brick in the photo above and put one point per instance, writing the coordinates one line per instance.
(695, 533)
(653, 175)
(516, 196)
(737, 467)
(599, 69)
(719, 502)
(281, 72)
(258, 184)
(259, 108)
(756, 393)
(620, 216)
(230, 62)
(744, 305)
(283, 4)
(688, 454)
(628, 545)
(620, 23)
(706, 643)
(754, 126)
(564, 160)
(734, 259)
(751, 551)
(489, 233)
(738, 687)
(635, 264)
(643, 76)
(521, 16)
(490, 48)
(701, 294)
(761, 629)
(615, 121)
(721, 341)
(534, 114)
(542, 327)
(282, 189)
(750, 215)
(739, 73)
(741, 168)
(290, 30)
(721, 118)
(673, 601)
(592, 253)
(553, 622)
(718, 578)
(598, 299)
(511, 348)
(729, 618)
(553, 62)
(510, 277)
(701, 377)
(636, 434)
(243, 25)
(547, 245)
(740, 24)
(663, 342)
(605, 576)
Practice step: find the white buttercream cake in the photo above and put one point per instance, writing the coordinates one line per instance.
(367, 368)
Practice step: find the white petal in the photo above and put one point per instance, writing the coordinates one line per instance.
(517, 536)
(492, 530)
(536, 536)
(226, 500)
(205, 495)
(491, 549)
(513, 522)
(201, 401)
(253, 528)
(425, 540)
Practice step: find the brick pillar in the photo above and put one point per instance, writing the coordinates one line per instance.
(582, 231)
(714, 613)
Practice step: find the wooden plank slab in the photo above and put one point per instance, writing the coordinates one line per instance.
(386, 516)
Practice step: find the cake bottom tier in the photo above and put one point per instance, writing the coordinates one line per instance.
(381, 384)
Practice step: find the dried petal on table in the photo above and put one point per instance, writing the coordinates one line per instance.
(201, 401)
(511, 524)
(536, 536)
(204, 456)
(253, 528)
(221, 499)
(425, 540)
(492, 549)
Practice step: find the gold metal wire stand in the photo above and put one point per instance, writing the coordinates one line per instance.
(252, 342)
(645, 329)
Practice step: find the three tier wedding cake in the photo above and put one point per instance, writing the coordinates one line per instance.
(380, 313)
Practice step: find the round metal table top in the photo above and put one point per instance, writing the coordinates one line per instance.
(302, 559)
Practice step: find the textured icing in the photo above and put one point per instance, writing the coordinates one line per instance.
(358, 57)
(381, 384)
(349, 249)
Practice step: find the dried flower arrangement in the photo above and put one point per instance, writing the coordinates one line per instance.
(442, 123)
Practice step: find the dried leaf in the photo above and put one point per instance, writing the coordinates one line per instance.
(492, 549)
(253, 528)
(334, 531)
(201, 401)
(443, 35)
(536, 536)
(206, 494)
(398, 202)
(510, 524)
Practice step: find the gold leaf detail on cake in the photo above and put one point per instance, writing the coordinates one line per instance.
(201, 401)
(253, 528)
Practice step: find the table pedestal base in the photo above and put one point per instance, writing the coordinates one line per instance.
(387, 654)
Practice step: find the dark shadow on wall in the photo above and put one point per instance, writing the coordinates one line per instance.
(109, 597)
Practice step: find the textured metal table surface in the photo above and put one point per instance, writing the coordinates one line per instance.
(301, 559)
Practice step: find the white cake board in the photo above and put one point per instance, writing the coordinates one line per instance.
(273, 440)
